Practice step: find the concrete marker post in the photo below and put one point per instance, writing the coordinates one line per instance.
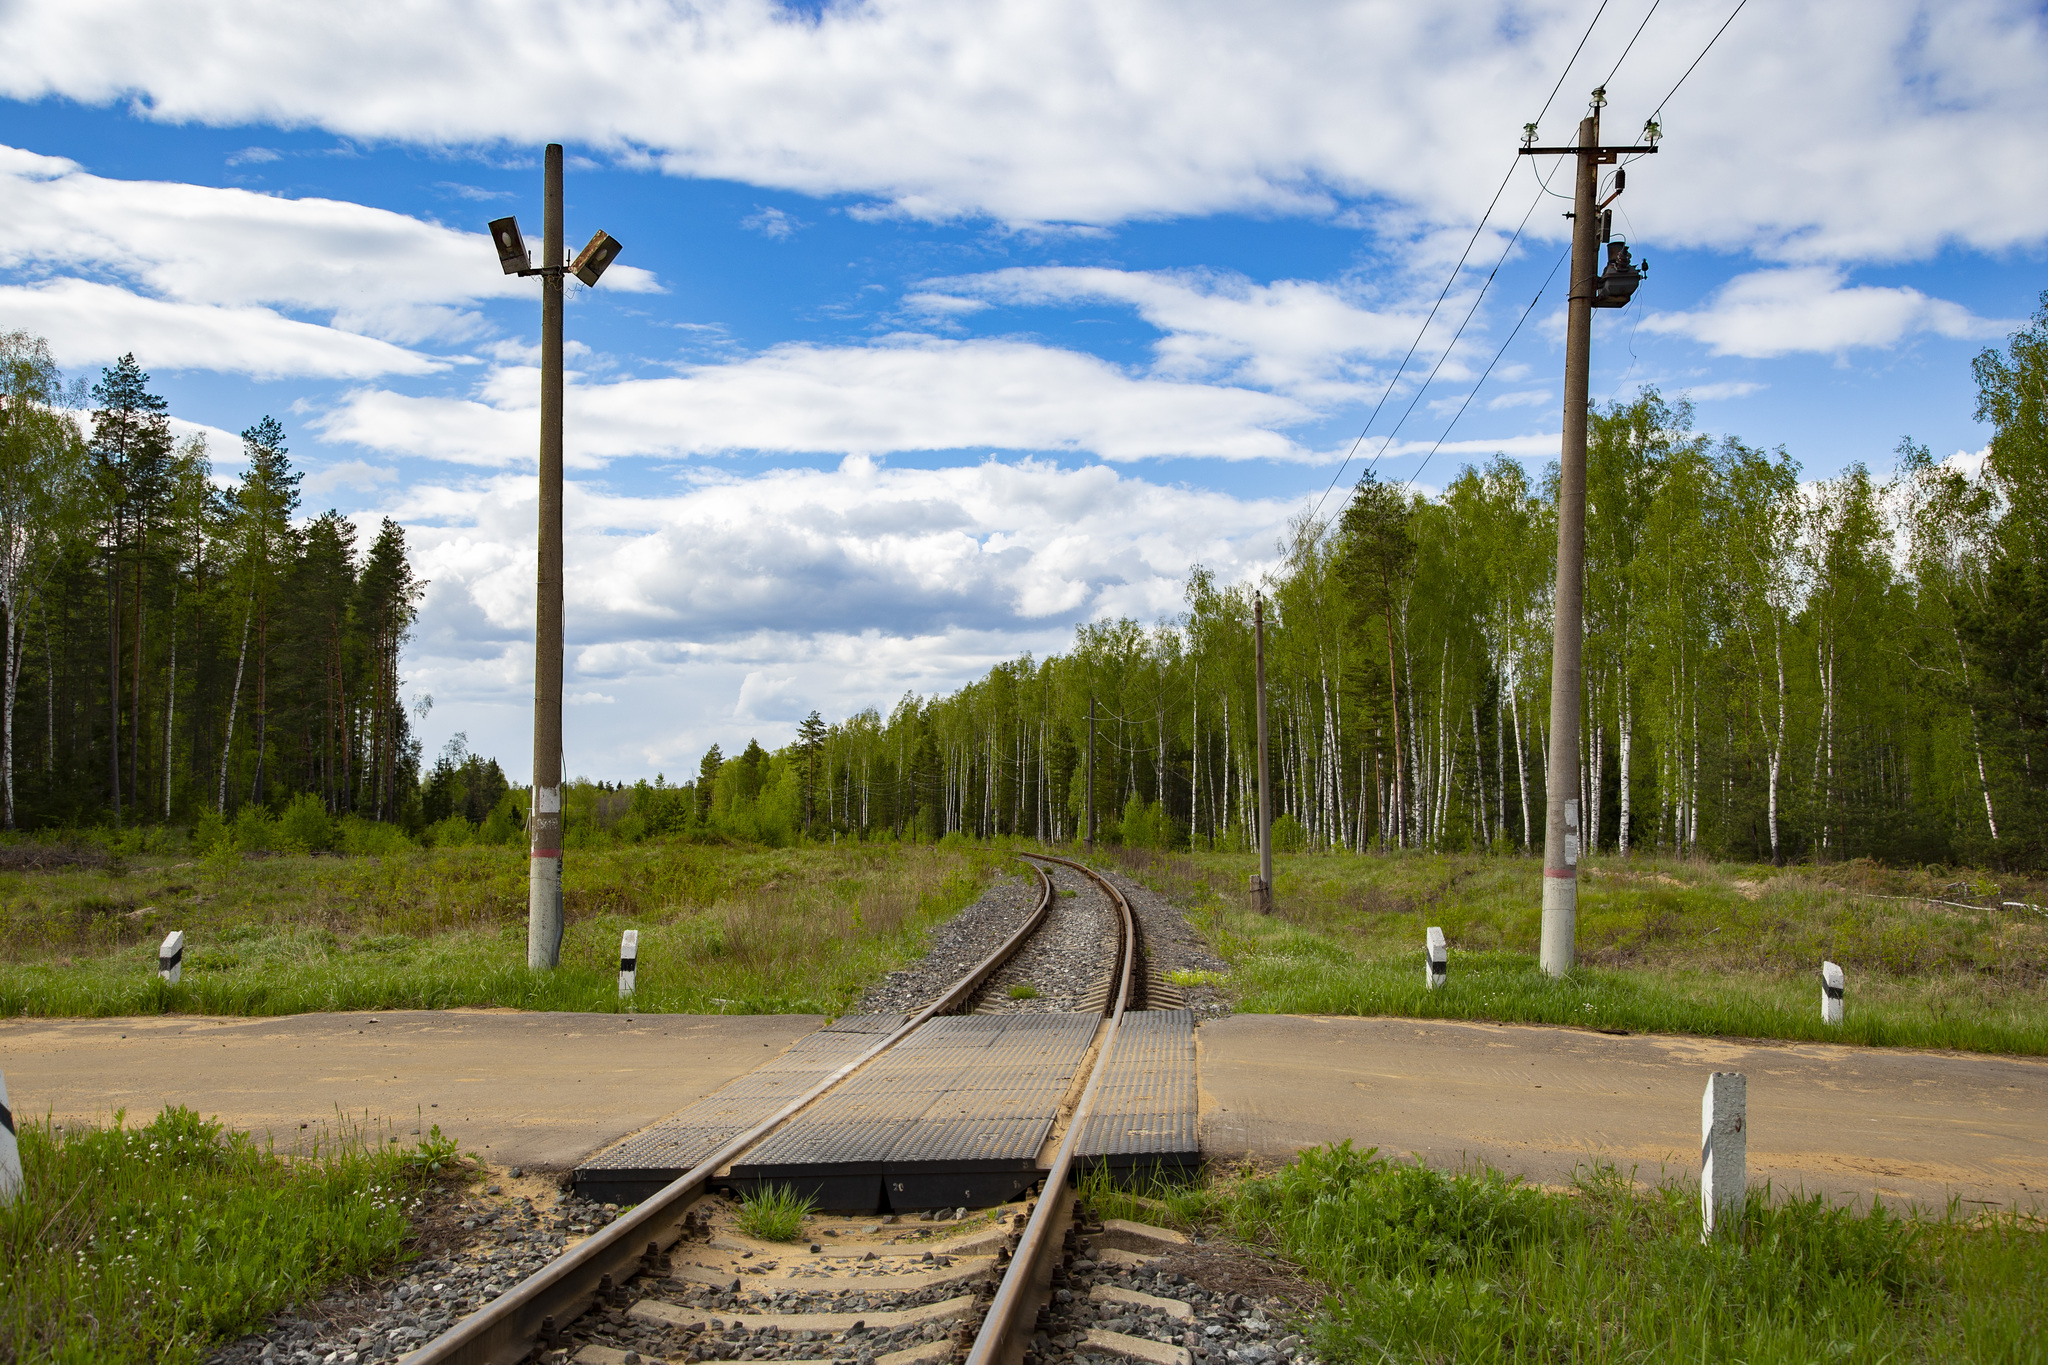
(10, 1150)
(629, 961)
(1724, 1151)
(170, 957)
(1831, 983)
(1439, 965)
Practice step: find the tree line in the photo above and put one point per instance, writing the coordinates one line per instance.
(1773, 670)
(178, 643)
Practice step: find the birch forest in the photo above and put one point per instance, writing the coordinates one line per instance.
(179, 640)
(1774, 669)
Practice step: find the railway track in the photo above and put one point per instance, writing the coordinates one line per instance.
(670, 1267)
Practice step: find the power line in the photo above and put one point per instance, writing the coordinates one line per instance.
(1697, 60)
(1410, 480)
(1444, 293)
(1631, 43)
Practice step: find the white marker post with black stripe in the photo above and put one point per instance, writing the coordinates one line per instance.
(1831, 982)
(1439, 957)
(10, 1150)
(629, 961)
(1724, 1150)
(170, 958)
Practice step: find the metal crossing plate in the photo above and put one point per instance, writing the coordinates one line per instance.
(636, 1167)
(1146, 1106)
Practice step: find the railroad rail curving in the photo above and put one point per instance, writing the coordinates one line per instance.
(532, 1313)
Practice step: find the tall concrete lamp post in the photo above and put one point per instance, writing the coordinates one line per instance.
(544, 821)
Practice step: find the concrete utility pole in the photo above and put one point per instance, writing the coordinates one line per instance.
(544, 820)
(1262, 891)
(544, 825)
(1091, 773)
(1590, 289)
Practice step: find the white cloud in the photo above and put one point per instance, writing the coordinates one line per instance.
(365, 270)
(1913, 124)
(357, 474)
(751, 601)
(773, 224)
(915, 393)
(1300, 337)
(1733, 388)
(1778, 312)
(92, 324)
(1524, 399)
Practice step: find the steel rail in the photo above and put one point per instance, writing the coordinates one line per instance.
(503, 1331)
(997, 1343)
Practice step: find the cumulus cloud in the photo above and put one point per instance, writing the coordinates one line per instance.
(92, 324)
(914, 393)
(364, 270)
(758, 599)
(773, 224)
(1916, 129)
(1778, 312)
(1301, 337)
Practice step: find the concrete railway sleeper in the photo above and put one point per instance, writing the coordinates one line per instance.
(673, 1278)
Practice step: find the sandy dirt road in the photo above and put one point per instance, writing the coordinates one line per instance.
(537, 1090)
(1847, 1122)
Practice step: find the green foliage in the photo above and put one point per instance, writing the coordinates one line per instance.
(1023, 990)
(1423, 1265)
(1666, 947)
(153, 1244)
(1149, 826)
(506, 824)
(774, 1213)
(305, 826)
(1288, 835)
(371, 838)
(722, 928)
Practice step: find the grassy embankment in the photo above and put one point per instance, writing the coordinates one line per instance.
(1417, 1265)
(150, 1245)
(1664, 946)
(721, 929)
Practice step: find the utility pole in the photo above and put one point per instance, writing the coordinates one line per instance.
(1091, 772)
(1590, 289)
(544, 820)
(1262, 885)
(544, 826)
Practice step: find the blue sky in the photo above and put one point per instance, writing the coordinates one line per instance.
(943, 327)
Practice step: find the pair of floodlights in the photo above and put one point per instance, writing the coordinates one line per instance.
(589, 264)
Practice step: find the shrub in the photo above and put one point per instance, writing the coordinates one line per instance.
(253, 828)
(506, 824)
(208, 831)
(453, 832)
(360, 838)
(305, 826)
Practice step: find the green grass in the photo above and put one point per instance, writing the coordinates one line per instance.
(722, 929)
(1668, 947)
(1421, 1266)
(774, 1213)
(1023, 990)
(149, 1244)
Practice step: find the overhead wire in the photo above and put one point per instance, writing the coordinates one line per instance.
(1444, 293)
(1409, 481)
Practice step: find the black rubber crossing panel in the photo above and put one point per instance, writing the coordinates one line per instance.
(956, 1114)
(642, 1164)
(1144, 1118)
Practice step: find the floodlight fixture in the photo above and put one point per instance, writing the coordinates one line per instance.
(511, 246)
(598, 253)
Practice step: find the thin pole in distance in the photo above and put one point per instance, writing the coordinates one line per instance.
(544, 819)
